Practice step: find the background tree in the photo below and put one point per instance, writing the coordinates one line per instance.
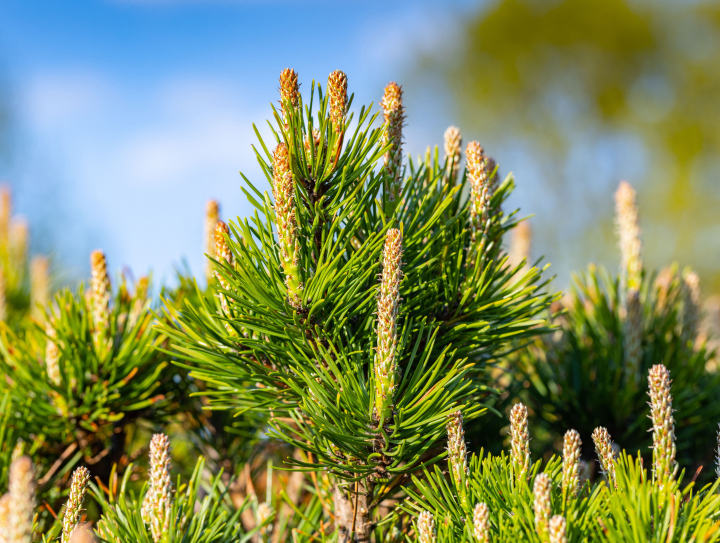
(589, 92)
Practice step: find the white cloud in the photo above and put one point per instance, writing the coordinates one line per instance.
(197, 125)
(55, 98)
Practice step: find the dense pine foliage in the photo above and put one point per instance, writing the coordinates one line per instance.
(316, 384)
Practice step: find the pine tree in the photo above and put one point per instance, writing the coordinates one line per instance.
(364, 299)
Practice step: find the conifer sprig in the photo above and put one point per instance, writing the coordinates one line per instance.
(606, 455)
(453, 154)
(457, 452)
(73, 506)
(157, 504)
(558, 529)
(541, 504)
(481, 523)
(426, 528)
(661, 410)
(21, 503)
(519, 439)
(571, 462)
(394, 112)
(100, 285)
(289, 92)
(284, 193)
(212, 216)
(387, 316)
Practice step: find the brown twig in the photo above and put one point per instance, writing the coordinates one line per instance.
(57, 464)
(357, 494)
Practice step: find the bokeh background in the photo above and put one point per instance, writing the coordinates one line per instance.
(120, 118)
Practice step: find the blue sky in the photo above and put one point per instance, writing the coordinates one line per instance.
(130, 114)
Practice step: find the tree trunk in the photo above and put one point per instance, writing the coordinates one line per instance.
(352, 512)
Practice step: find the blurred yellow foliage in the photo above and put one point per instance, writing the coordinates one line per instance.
(543, 70)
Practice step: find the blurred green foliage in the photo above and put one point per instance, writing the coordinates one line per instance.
(548, 73)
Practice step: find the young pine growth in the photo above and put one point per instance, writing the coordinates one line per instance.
(628, 228)
(426, 528)
(212, 215)
(480, 194)
(519, 440)
(481, 523)
(52, 356)
(264, 512)
(571, 462)
(453, 154)
(337, 89)
(387, 314)
(100, 286)
(289, 92)
(558, 529)
(541, 504)
(73, 507)
(158, 500)
(222, 254)
(394, 114)
(21, 502)
(284, 193)
(39, 285)
(606, 455)
(457, 454)
(661, 410)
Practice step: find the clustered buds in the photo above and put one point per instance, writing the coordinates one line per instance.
(606, 455)
(691, 307)
(426, 528)
(73, 508)
(481, 188)
(558, 529)
(52, 356)
(223, 254)
(157, 504)
(519, 439)
(264, 512)
(21, 501)
(571, 462)
(284, 193)
(628, 228)
(541, 503)
(453, 154)
(289, 91)
(457, 450)
(338, 93)
(385, 366)
(394, 114)
(663, 423)
(212, 215)
(100, 283)
(39, 285)
(481, 523)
